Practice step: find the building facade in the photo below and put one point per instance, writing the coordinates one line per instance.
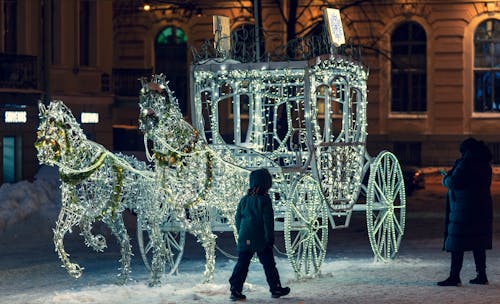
(434, 66)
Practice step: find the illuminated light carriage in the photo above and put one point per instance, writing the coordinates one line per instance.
(305, 121)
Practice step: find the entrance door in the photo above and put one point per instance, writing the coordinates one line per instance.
(171, 60)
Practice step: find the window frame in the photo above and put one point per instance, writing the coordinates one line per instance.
(492, 69)
(410, 71)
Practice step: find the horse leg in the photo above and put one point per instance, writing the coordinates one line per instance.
(203, 232)
(159, 254)
(208, 244)
(118, 229)
(97, 242)
(67, 218)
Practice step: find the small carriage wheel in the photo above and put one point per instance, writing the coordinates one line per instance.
(306, 227)
(174, 239)
(385, 206)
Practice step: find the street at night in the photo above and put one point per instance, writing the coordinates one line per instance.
(31, 271)
(150, 148)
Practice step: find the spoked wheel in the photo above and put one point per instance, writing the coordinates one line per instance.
(385, 206)
(174, 239)
(306, 228)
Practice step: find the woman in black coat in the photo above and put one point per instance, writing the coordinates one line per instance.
(469, 210)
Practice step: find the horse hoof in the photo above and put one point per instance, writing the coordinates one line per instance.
(154, 283)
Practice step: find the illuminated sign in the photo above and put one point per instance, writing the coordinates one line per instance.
(15, 117)
(334, 26)
(222, 32)
(89, 117)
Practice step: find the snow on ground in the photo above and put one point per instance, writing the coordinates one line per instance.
(30, 270)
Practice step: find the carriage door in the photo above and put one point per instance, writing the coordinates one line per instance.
(171, 60)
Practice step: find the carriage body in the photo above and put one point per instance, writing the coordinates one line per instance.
(295, 118)
(306, 122)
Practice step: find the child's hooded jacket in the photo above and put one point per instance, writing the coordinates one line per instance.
(254, 217)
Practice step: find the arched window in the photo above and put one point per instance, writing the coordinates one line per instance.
(171, 60)
(487, 66)
(409, 68)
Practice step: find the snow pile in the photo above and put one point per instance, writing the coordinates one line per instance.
(23, 200)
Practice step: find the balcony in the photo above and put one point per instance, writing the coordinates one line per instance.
(18, 71)
(126, 81)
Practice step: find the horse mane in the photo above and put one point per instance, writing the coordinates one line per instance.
(63, 115)
(156, 94)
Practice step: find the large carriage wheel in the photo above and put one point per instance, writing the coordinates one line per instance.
(306, 228)
(385, 206)
(174, 239)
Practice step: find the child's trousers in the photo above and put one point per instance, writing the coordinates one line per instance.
(240, 270)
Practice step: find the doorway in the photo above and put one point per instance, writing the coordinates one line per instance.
(171, 60)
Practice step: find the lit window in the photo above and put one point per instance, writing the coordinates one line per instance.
(90, 117)
(487, 66)
(171, 35)
(15, 117)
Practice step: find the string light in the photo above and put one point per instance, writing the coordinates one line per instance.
(98, 185)
(198, 177)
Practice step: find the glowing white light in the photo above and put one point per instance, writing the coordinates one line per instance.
(89, 117)
(318, 165)
(15, 116)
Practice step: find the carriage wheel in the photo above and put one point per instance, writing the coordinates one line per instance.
(306, 228)
(385, 206)
(174, 240)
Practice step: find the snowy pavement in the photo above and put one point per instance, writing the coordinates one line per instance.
(30, 270)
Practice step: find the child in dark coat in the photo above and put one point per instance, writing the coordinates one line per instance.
(255, 225)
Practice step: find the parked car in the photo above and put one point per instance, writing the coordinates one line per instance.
(414, 179)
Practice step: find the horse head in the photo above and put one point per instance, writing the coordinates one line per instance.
(157, 104)
(57, 128)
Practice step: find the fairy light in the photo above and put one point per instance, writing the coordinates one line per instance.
(198, 177)
(334, 161)
(97, 185)
(206, 182)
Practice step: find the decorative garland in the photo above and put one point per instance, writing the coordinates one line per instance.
(76, 178)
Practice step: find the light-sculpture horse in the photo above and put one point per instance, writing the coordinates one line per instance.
(97, 185)
(205, 186)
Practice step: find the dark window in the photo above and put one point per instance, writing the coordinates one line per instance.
(10, 26)
(244, 42)
(53, 29)
(495, 150)
(317, 40)
(87, 32)
(125, 139)
(408, 68)
(487, 66)
(171, 60)
(84, 32)
(408, 153)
